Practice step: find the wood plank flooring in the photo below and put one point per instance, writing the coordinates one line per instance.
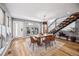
(17, 48)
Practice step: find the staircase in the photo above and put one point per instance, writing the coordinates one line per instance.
(65, 23)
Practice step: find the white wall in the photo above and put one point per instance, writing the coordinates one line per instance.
(19, 24)
(77, 27)
(69, 27)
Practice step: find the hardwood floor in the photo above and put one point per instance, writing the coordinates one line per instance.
(18, 48)
(70, 48)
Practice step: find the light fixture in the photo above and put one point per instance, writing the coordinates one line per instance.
(68, 12)
(30, 23)
(45, 18)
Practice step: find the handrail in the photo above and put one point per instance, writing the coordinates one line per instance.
(51, 23)
(67, 21)
(57, 19)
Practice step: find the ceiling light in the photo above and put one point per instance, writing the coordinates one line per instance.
(30, 23)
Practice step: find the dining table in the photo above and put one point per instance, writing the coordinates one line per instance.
(40, 38)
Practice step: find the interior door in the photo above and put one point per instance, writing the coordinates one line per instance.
(18, 29)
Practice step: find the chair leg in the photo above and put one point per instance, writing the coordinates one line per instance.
(33, 47)
(54, 43)
(49, 44)
(45, 46)
(30, 45)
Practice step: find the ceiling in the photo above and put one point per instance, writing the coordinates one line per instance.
(41, 11)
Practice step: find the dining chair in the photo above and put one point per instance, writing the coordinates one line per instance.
(52, 39)
(46, 41)
(33, 41)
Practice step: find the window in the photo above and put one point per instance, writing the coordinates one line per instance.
(1, 16)
(31, 28)
(2, 28)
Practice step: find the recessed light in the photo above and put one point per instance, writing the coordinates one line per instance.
(30, 24)
(68, 13)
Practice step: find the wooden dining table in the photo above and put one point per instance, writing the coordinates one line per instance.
(40, 38)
